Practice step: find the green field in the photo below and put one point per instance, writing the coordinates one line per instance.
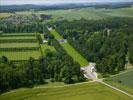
(122, 12)
(17, 34)
(45, 46)
(56, 35)
(75, 55)
(86, 91)
(71, 51)
(2, 15)
(78, 13)
(123, 81)
(88, 13)
(18, 37)
(15, 50)
(20, 55)
(18, 45)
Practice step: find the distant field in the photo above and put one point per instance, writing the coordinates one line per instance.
(70, 14)
(88, 13)
(122, 12)
(25, 13)
(78, 13)
(86, 91)
(71, 51)
(2, 15)
(20, 55)
(123, 81)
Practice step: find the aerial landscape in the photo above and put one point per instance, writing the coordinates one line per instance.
(66, 49)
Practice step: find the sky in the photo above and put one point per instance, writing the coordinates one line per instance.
(18, 2)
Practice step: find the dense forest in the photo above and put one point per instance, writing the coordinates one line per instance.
(106, 42)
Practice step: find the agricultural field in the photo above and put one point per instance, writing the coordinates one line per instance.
(21, 55)
(2, 15)
(71, 51)
(122, 12)
(123, 81)
(88, 13)
(84, 91)
(17, 37)
(19, 46)
(18, 34)
(78, 13)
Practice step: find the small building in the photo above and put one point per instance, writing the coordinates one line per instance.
(62, 41)
(45, 41)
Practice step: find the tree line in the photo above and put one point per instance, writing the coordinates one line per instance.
(106, 42)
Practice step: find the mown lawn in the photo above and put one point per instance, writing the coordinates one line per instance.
(17, 34)
(20, 55)
(86, 91)
(71, 51)
(57, 36)
(18, 37)
(75, 55)
(18, 45)
(122, 81)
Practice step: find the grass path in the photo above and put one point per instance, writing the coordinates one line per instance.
(71, 51)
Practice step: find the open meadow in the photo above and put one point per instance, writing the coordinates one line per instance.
(21, 55)
(88, 13)
(84, 91)
(79, 13)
